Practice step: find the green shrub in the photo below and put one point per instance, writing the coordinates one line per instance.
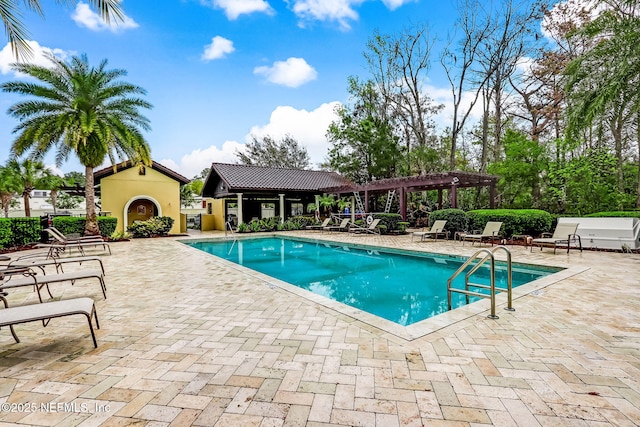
(389, 221)
(15, 232)
(303, 220)
(74, 225)
(107, 225)
(5, 233)
(155, 226)
(120, 235)
(532, 222)
(255, 226)
(614, 214)
(457, 219)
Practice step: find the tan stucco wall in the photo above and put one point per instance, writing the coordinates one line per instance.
(123, 187)
(215, 220)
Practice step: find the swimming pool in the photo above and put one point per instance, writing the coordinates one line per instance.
(401, 286)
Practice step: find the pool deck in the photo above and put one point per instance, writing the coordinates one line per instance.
(189, 339)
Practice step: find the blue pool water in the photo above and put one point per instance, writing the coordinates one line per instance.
(402, 287)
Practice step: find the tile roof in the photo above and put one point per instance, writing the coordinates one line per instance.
(248, 177)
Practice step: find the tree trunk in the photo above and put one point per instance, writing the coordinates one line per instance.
(54, 200)
(27, 207)
(6, 201)
(91, 224)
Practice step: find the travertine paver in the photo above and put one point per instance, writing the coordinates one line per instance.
(188, 339)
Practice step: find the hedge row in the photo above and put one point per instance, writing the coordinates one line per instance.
(15, 232)
(74, 225)
(531, 222)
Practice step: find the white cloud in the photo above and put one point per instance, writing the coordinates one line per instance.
(309, 128)
(37, 58)
(85, 17)
(193, 163)
(306, 127)
(340, 11)
(293, 72)
(218, 48)
(394, 4)
(234, 8)
(55, 170)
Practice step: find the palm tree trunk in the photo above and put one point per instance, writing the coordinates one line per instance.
(91, 224)
(27, 207)
(6, 201)
(54, 200)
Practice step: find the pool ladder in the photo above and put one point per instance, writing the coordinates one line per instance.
(488, 256)
(229, 228)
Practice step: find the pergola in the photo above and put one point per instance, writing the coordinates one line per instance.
(435, 181)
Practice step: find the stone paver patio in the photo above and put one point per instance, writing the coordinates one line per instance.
(189, 339)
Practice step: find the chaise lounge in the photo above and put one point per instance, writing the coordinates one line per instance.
(324, 224)
(491, 232)
(44, 280)
(58, 236)
(437, 229)
(371, 228)
(343, 226)
(56, 249)
(564, 234)
(10, 316)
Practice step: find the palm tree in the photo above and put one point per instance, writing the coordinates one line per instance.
(28, 173)
(53, 183)
(9, 187)
(82, 110)
(11, 14)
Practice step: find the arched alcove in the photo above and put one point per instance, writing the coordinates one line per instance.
(140, 208)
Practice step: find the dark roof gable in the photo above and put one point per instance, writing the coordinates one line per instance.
(227, 178)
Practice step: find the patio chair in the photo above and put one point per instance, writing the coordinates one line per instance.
(564, 234)
(437, 229)
(41, 261)
(10, 278)
(491, 232)
(324, 224)
(58, 236)
(343, 226)
(371, 228)
(10, 316)
(55, 250)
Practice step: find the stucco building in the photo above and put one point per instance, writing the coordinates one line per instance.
(133, 192)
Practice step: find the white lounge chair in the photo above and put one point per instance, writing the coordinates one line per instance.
(55, 250)
(10, 316)
(491, 232)
(564, 234)
(41, 262)
(343, 226)
(58, 236)
(437, 229)
(29, 278)
(371, 228)
(324, 224)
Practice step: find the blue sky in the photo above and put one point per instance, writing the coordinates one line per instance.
(218, 71)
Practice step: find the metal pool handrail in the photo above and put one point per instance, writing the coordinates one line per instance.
(489, 255)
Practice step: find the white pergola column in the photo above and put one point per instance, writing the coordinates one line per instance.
(240, 216)
(281, 208)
